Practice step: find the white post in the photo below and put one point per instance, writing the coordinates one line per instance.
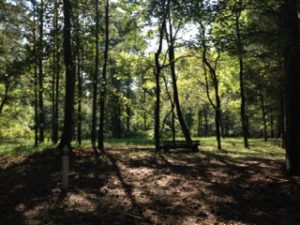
(65, 168)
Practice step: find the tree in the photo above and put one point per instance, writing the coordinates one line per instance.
(157, 74)
(70, 79)
(170, 36)
(41, 73)
(292, 71)
(240, 50)
(103, 81)
(95, 79)
(56, 73)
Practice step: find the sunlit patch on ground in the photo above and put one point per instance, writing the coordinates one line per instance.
(140, 187)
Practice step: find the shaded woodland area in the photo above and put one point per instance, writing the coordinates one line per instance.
(163, 111)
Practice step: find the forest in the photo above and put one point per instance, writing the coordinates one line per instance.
(149, 112)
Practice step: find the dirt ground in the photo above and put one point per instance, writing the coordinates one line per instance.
(138, 187)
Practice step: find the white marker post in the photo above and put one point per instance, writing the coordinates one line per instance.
(65, 168)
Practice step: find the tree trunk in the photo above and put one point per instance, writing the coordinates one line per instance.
(264, 117)
(199, 123)
(70, 79)
(103, 83)
(79, 90)
(41, 75)
(292, 71)
(206, 123)
(56, 76)
(35, 78)
(217, 105)
(95, 81)
(4, 98)
(157, 74)
(241, 76)
(281, 122)
(272, 126)
(171, 54)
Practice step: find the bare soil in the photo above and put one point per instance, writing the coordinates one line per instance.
(125, 186)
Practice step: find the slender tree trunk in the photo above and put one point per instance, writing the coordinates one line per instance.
(206, 123)
(173, 124)
(79, 90)
(171, 54)
(264, 117)
(218, 130)
(128, 109)
(199, 123)
(292, 70)
(41, 75)
(35, 78)
(53, 85)
(4, 98)
(55, 79)
(157, 74)
(217, 105)
(272, 126)
(145, 111)
(95, 80)
(103, 83)
(36, 110)
(281, 122)
(242, 88)
(78, 57)
(70, 79)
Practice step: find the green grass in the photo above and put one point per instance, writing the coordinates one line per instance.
(232, 146)
(235, 147)
(21, 147)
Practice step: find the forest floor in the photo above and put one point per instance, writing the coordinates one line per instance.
(129, 184)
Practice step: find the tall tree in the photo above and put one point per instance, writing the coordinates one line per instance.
(240, 50)
(103, 80)
(214, 77)
(292, 70)
(35, 78)
(70, 78)
(157, 74)
(41, 75)
(95, 79)
(56, 74)
(170, 36)
(79, 64)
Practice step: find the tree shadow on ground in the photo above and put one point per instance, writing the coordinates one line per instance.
(132, 187)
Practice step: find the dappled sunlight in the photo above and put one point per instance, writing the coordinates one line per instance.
(141, 187)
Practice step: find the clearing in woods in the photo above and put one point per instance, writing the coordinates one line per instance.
(130, 184)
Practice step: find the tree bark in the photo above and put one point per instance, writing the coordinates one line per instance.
(157, 74)
(263, 110)
(240, 50)
(103, 81)
(281, 122)
(4, 98)
(41, 75)
(292, 71)
(206, 127)
(171, 54)
(79, 90)
(217, 105)
(56, 77)
(35, 78)
(199, 123)
(70, 78)
(95, 81)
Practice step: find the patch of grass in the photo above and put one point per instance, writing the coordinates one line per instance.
(21, 147)
(232, 146)
(235, 147)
